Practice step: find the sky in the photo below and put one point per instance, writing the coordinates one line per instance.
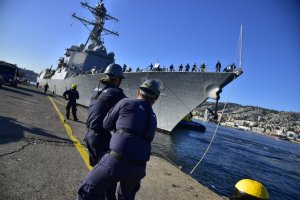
(34, 34)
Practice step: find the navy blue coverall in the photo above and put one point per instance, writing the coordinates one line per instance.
(130, 146)
(71, 95)
(98, 138)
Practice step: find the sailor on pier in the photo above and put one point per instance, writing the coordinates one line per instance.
(71, 95)
(46, 86)
(130, 146)
(102, 101)
(97, 138)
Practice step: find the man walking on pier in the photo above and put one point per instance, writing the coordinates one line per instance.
(130, 146)
(71, 95)
(46, 86)
(97, 138)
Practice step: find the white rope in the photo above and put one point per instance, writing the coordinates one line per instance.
(212, 139)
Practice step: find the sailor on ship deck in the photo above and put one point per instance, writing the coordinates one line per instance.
(218, 66)
(180, 68)
(203, 67)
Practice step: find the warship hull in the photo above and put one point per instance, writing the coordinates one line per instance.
(181, 92)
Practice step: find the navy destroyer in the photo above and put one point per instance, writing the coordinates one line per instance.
(181, 91)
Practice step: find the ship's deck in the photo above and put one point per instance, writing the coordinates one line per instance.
(40, 160)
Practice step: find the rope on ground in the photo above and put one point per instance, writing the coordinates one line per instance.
(215, 132)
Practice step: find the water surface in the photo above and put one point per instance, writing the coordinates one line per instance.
(234, 155)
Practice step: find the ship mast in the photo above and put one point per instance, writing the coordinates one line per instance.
(241, 46)
(99, 12)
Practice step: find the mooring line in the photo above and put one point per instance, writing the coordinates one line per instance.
(216, 129)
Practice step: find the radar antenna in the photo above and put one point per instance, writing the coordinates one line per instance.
(99, 12)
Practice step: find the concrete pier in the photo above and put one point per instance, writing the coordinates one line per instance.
(43, 157)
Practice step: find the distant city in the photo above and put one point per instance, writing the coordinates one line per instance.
(284, 125)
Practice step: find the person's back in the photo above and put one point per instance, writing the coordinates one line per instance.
(97, 138)
(101, 102)
(135, 123)
(72, 95)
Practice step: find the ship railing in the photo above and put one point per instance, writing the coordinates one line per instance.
(208, 68)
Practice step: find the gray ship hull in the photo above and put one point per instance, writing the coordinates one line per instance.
(181, 92)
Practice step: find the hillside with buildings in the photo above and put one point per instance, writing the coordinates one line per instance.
(285, 125)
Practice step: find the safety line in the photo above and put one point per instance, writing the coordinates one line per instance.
(82, 151)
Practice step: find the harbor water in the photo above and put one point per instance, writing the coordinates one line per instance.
(234, 155)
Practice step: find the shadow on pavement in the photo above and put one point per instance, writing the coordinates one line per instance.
(35, 90)
(78, 121)
(15, 90)
(19, 98)
(12, 130)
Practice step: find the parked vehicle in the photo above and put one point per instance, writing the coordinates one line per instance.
(1, 81)
(8, 72)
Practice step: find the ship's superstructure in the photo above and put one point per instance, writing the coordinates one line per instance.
(181, 92)
(91, 56)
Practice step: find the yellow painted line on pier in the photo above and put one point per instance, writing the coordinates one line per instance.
(82, 151)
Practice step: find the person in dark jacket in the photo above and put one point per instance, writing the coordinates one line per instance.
(97, 138)
(203, 67)
(46, 86)
(180, 68)
(218, 66)
(194, 68)
(171, 68)
(71, 95)
(187, 68)
(135, 124)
